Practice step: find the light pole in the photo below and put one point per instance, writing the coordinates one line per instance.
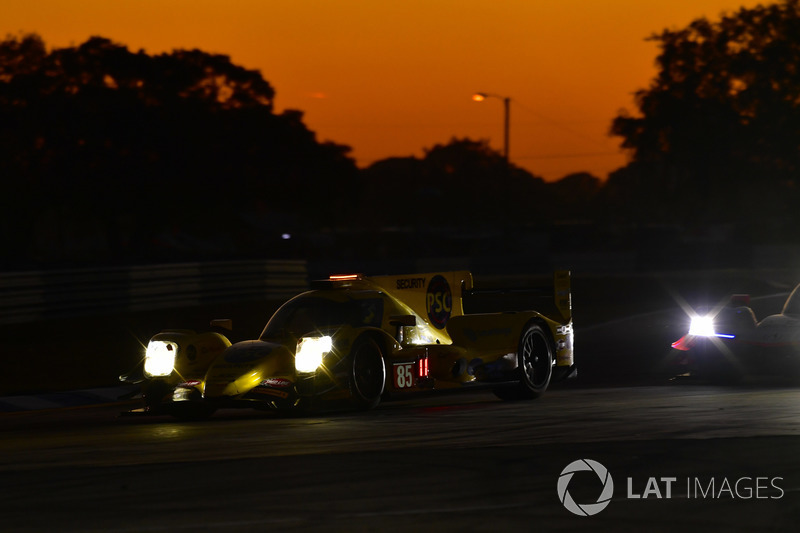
(480, 97)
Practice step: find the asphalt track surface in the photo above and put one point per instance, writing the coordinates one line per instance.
(465, 462)
(698, 456)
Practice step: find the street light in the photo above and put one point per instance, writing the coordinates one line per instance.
(480, 97)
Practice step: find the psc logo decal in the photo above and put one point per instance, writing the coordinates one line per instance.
(586, 509)
(439, 302)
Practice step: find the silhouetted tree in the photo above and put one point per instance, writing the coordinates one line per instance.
(463, 183)
(718, 135)
(576, 195)
(104, 150)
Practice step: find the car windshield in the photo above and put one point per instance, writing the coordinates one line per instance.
(305, 315)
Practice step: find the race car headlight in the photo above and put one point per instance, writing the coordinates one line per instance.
(310, 351)
(702, 326)
(159, 359)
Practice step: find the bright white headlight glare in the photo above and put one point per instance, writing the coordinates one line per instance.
(702, 326)
(310, 351)
(159, 359)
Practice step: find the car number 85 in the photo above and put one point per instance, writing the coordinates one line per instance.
(403, 375)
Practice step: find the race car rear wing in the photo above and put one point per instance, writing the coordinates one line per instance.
(560, 294)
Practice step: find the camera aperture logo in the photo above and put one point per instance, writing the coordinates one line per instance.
(662, 488)
(585, 509)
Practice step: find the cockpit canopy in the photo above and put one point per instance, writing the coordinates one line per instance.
(312, 312)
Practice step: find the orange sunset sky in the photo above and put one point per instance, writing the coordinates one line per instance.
(394, 77)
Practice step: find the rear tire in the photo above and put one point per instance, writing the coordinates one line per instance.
(367, 373)
(535, 365)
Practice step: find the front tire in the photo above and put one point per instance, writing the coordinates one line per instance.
(535, 365)
(367, 373)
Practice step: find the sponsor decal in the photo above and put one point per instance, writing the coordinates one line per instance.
(411, 283)
(439, 302)
(276, 382)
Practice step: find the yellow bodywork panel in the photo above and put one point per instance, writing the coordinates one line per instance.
(196, 351)
(434, 297)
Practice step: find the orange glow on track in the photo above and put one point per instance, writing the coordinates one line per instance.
(393, 77)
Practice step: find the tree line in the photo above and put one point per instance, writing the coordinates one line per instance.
(109, 155)
(717, 135)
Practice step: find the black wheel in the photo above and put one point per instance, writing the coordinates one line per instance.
(535, 365)
(367, 373)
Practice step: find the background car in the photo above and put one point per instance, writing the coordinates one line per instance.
(730, 342)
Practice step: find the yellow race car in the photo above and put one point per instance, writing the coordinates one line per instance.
(354, 340)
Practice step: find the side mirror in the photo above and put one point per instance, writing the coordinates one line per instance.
(403, 320)
(400, 322)
(224, 323)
